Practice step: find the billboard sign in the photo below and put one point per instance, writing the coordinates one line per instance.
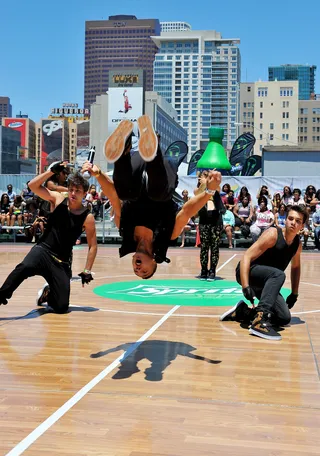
(18, 125)
(51, 144)
(126, 78)
(124, 104)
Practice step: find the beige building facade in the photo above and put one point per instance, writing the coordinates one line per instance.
(309, 123)
(269, 110)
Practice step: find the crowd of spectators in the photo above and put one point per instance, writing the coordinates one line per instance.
(29, 213)
(252, 219)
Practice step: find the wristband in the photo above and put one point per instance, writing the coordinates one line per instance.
(210, 192)
(87, 271)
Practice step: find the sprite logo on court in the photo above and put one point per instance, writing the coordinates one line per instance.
(175, 292)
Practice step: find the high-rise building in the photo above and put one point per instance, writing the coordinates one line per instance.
(121, 42)
(11, 162)
(27, 129)
(275, 113)
(5, 107)
(177, 26)
(198, 72)
(305, 74)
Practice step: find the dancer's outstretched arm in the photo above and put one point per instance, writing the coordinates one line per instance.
(108, 188)
(196, 203)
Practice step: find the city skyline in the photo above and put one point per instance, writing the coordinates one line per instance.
(43, 66)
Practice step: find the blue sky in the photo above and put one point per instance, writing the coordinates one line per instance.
(42, 43)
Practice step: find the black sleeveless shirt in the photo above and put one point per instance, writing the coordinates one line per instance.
(62, 231)
(280, 255)
(158, 216)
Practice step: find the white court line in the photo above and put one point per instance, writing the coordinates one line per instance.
(43, 427)
(313, 284)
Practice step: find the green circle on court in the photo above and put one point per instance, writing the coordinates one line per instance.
(176, 292)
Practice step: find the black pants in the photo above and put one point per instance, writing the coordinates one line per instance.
(266, 283)
(210, 240)
(40, 262)
(130, 179)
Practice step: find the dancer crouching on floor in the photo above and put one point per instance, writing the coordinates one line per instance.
(261, 274)
(50, 257)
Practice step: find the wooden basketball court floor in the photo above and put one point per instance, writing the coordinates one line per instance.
(62, 392)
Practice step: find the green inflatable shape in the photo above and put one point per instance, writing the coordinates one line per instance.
(214, 157)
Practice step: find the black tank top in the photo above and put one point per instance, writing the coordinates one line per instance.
(62, 231)
(159, 217)
(280, 255)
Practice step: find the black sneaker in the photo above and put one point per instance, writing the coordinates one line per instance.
(262, 327)
(203, 274)
(236, 313)
(43, 295)
(211, 275)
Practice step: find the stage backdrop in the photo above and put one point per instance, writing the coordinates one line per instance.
(275, 184)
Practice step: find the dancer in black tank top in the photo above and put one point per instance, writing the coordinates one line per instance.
(145, 181)
(50, 257)
(261, 275)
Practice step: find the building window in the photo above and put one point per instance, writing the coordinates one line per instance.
(286, 91)
(271, 126)
(261, 104)
(261, 126)
(261, 115)
(262, 92)
(248, 89)
(271, 137)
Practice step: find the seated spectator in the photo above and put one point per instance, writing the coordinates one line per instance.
(264, 191)
(309, 196)
(225, 192)
(5, 209)
(297, 198)
(280, 216)
(264, 219)
(316, 226)
(316, 201)
(185, 196)
(243, 213)
(228, 225)
(17, 210)
(34, 223)
(287, 197)
(244, 192)
(11, 193)
(276, 202)
(262, 199)
(94, 198)
(306, 232)
(230, 200)
(26, 193)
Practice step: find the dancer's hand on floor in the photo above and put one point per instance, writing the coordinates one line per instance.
(248, 293)
(291, 300)
(86, 277)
